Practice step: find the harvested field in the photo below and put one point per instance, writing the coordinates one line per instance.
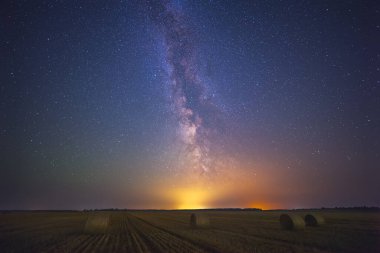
(97, 223)
(170, 231)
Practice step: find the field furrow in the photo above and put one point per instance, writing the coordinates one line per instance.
(95, 244)
(67, 245)
(165, 240)
(171, 232)
(86, 244)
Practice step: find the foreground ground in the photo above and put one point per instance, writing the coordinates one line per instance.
(169, 231)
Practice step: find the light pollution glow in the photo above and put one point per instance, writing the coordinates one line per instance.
(229, 188)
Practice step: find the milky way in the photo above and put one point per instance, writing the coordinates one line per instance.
(183, 104)
(198, 118)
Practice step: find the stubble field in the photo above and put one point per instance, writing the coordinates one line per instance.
(170, 231)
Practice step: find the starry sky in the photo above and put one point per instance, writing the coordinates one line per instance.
(189, 104)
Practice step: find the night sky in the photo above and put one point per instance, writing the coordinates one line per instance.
(189, 104)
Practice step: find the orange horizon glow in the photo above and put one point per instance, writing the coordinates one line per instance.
(190, 198)
(228, 188)
(265, 205)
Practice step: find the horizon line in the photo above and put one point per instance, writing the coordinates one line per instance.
(195, 209)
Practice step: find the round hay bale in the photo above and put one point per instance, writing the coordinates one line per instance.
(314, 219)
(199, 220)
(292, 222)
(96, 223)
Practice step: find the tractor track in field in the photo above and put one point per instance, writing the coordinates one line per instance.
(134, 234)
(137, 242)
(289, 246)
(96, 245)
(116, 242)
(86, 244)
(285, 244)
(71, 244)
(152, 237)
(170, 232)
(192, 245)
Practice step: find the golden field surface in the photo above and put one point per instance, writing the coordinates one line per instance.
(170, 231)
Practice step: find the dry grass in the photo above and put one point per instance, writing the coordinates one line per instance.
(229, 231)
(97, 223)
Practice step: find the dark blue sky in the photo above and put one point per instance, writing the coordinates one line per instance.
(114, 104)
